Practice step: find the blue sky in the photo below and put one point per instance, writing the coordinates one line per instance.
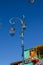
(10, 47)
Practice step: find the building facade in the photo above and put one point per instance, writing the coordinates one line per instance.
(31, 56)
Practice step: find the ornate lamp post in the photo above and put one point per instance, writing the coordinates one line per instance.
(12, 22)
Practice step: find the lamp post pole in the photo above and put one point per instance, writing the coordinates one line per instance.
(12, 31)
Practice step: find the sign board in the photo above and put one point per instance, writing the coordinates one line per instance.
(27, 53)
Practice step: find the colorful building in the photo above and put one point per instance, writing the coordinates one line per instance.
(31, 56)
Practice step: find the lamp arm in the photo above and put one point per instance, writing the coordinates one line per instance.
(16, 19)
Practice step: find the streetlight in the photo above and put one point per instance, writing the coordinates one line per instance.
(12, 22)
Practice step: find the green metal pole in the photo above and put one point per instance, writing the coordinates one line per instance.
(22, 47)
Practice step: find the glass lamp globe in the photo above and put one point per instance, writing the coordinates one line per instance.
(12, 31)
(23, 26)
(31, 1)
